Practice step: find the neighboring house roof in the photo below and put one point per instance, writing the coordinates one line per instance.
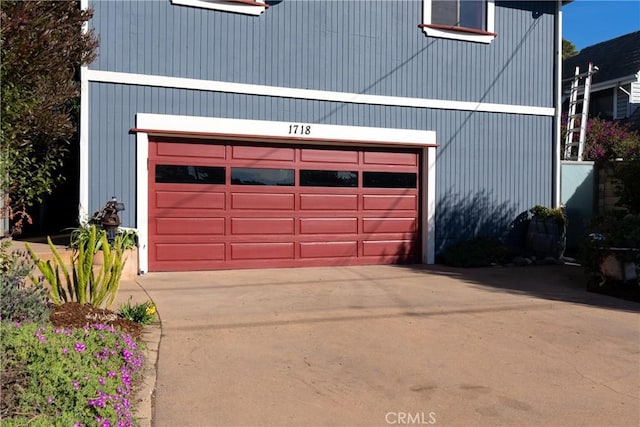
(618, 59)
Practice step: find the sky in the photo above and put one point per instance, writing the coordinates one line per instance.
(587, 22)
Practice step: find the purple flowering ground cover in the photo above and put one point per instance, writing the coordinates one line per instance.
(68, 377)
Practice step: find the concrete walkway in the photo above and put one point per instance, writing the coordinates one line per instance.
(386, 345)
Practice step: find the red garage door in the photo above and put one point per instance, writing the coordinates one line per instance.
(221, 204)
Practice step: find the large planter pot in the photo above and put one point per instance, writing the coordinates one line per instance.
(130, 270)
(546, 237)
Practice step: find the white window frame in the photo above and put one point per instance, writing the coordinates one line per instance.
(485, 36)
(245, 7)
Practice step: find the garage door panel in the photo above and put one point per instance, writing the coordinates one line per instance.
(389, 225)
(262, 226)
(386, 158)
(190, 199)
(188, 213)
(197, 226)
(328, 156)
(191, 251)
(262, 153)
(246, 251)
(328, 249)
(262, 201)
(387, 202)
(191, 150)
(387, 247)
(329, 226)
(346, 202)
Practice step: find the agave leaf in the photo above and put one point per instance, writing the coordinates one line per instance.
(59, 263)
(80, 284)
(116, 273)
(48, 272)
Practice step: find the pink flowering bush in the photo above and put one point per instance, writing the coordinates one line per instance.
(65, 377)
(608, 140)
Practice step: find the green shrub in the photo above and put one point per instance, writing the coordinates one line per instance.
(144, 313)
(478, 252)
(125, 238)
(67, 377)
(83, 284)
(543, 212)
(20, 301)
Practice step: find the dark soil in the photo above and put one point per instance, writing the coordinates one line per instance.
(75, 315)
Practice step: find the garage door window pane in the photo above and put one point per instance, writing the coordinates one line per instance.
(180, 174)
(389, 179)
(258, 176)
(320, 178)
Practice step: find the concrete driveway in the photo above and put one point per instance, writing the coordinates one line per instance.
(385, 345)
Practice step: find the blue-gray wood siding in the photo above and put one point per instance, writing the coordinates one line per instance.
(490, 166)
(622, 107)
(372, 47)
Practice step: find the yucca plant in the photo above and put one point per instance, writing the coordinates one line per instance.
(83, 284)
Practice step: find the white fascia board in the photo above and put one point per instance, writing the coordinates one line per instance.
(310, 94)
(296, 131)
(611, 84)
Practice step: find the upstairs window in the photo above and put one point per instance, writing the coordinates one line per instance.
(245, 7)
(467, 20)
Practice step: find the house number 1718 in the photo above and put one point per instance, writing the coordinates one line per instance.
(299, 129)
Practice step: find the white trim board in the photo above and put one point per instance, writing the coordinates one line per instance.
(293, 131)
(428, 213)
(83, 207)
(392, 137)
(142, 200)
(310, 94)
(557, 135)
(83, 179)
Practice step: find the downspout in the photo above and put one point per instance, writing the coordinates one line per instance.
(558, 106)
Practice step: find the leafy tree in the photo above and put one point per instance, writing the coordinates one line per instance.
(43, 47)
(568, 49)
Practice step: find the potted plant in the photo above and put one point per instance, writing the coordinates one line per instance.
(547, 231)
